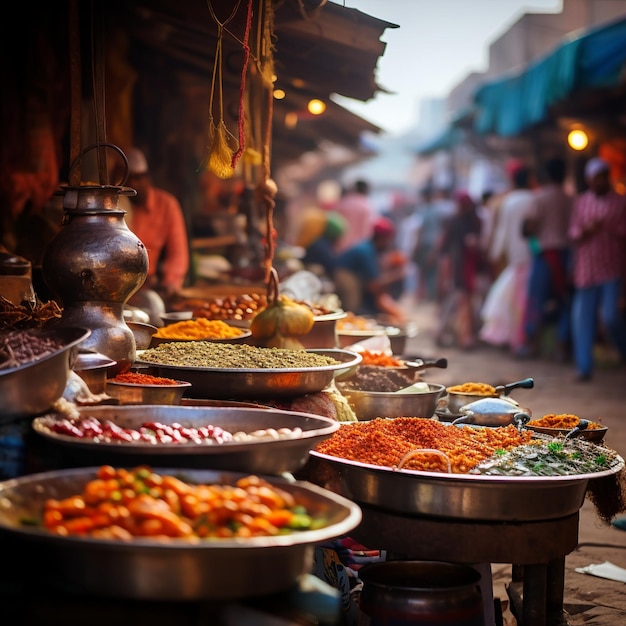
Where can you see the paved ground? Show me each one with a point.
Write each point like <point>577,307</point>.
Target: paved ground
<point>588,600</point>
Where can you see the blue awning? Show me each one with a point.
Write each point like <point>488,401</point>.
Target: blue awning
<point>592,59</point>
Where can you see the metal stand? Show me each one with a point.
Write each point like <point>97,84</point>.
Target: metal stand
<point>537,550</point>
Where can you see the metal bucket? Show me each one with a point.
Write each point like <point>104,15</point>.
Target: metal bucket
<point>428,593</point>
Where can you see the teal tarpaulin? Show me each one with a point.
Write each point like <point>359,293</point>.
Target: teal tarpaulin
<point>593,59</point>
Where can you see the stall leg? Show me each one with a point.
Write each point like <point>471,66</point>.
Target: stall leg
<point>534,595</point>
<point>555,591</point>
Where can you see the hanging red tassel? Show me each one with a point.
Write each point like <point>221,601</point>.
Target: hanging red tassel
<point>242,86</point>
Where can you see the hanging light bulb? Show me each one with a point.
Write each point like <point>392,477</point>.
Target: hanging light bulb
<point>577,139</point>
<point>316,107</point>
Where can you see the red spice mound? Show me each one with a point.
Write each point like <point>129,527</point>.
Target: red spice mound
<point>137,378</point>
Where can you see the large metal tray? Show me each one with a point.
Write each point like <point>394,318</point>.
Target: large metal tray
<point>32,388</point>
<point>455,496</point>
<point>240,383</point>
<point>262,457</point>
<point>174,570</point>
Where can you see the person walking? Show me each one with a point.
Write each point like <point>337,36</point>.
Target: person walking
<point>598,231</point>
<point>549,289</point>
<point>503,310</point>
<point>460,245</point>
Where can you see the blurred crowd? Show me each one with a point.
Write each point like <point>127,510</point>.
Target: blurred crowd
<point>535,270</point>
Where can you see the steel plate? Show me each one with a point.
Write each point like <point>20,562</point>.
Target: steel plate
<point>456,496</point>
<point>261,457</point>
<point>173,570</point>
<point>243,383</point>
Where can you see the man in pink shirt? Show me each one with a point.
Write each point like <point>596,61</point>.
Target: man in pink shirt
<point>598,231</point>
<point>357,210</point>
<point>156,217</point>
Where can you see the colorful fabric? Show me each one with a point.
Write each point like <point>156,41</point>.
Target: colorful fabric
<point>599,255</point>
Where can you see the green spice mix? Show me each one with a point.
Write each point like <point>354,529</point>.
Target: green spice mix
<point>232,356</point>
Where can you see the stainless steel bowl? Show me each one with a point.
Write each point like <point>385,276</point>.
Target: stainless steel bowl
<point>368,405</point>
<point>137,393</point>
<point>258,383</point>
<point>149,569</point>
<point>34,387</point>
<point>456,496</point>
<point>274,456</point>
<point>142,333</point>
<point>92,367</point>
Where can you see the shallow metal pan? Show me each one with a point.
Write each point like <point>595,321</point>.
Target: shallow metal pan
<point>263,457</point>
<point>240,383</point>
<point>457,496</point>
<point>175,570</point>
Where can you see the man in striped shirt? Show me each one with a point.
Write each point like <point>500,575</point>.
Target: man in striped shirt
<point>598,232</point>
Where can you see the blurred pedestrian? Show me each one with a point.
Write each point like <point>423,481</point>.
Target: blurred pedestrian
<point>319,232</point>
<point>363,283</point>
<point>427,240</point>
<point>503,310</point>
<point>357,209</point>
<point>598,231</point>
<point>549,292</point>
<point>460,245</point>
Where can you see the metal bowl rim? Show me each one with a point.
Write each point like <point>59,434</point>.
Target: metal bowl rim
<point>393,394</point>
<point>353,516</point>
<point>331,426</point>
<point>471,478</point>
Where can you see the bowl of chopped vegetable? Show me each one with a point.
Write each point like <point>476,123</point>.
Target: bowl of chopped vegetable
<point>163,554</point>
<point>140,388</point>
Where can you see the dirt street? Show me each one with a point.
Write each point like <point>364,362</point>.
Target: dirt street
<point>588,599</point>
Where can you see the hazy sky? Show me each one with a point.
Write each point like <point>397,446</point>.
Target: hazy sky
<point>437,44</point>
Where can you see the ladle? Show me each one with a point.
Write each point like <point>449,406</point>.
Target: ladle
<point>424,363</point>
<point>505,390</point>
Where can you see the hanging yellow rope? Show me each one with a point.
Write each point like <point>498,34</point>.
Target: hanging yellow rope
<point>222,143</point>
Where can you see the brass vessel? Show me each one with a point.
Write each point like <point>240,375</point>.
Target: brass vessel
<point>93,266</point>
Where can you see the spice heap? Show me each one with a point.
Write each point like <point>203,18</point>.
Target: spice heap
<point>380,358</point>
<point>137,378</point>
<point>386,442</point>
<point>375,378</point>
<point>564,421</point>
<point>200,328</point>
<point>476,389</point>
<point>232,356</point>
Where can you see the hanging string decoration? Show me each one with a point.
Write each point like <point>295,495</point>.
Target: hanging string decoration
<point>242,87</point>
<point>222,143</point>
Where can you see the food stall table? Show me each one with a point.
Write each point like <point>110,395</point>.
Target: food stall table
<point>539,547</point>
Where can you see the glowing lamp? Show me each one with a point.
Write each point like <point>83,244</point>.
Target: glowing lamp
<point>316,107</point>
<point>279,94</point>
<point>577,139</point>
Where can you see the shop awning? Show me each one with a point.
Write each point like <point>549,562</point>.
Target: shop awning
<point>592,59</point>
